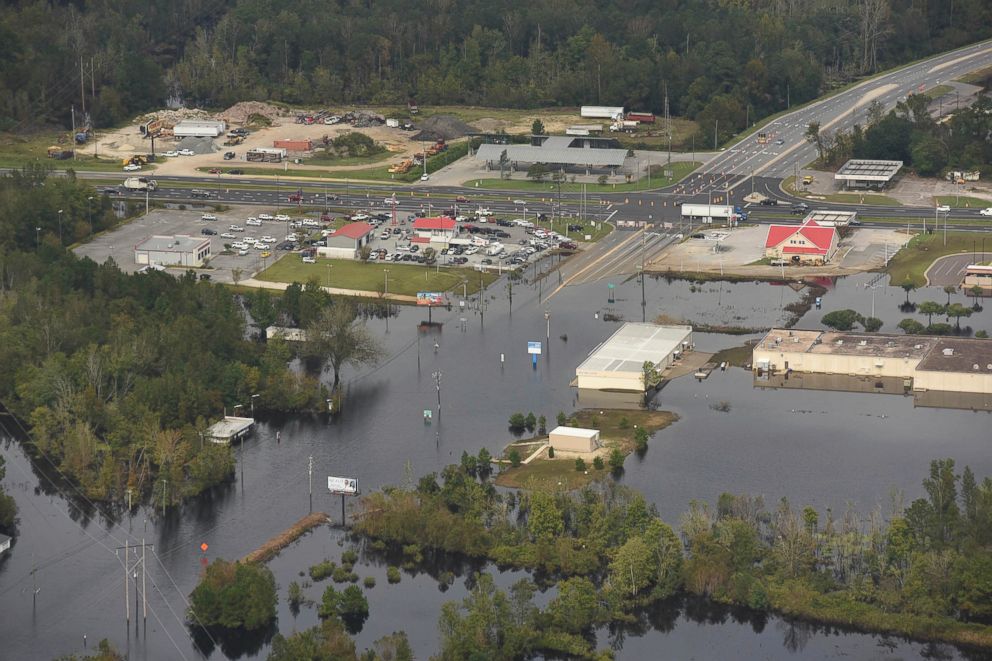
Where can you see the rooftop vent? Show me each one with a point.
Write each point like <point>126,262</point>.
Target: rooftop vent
<point>863,343</point>
<point>840,342</point>
<point>948,351</point>
<point>918,346</point>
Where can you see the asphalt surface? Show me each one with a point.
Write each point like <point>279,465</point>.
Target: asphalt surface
<point>949,270</point>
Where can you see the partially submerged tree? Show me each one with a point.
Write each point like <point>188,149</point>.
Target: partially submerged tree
<point>337,338</point>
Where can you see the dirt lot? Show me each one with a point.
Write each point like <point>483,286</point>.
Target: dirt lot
<point>735,252</point>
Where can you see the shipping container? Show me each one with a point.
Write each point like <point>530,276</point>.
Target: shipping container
<point>642,117</point>
<point>602,112</point>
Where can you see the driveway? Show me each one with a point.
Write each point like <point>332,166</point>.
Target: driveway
<point>949,270</point>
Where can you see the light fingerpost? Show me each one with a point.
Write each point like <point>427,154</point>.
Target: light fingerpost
<point>60,227</point>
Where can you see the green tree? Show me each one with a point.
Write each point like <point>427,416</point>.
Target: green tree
<point>542,425</point>
<point>949,289</point>
<point>580,464</point>
<point>957,311</point>
<point>530,422</point>
<point>616,459</point>
<point>813,137</point>
<point>544,520</point>
<point>365,253</point>
<point>234,595</point>
<point>872,324</point>
<point>911,327</point>
<point>641,439</point>
<point>8,508</point>
<point>430,256</point>
<point>630,569</point>
<point>537,172</point>
<point>561,418</point>
<point>337,337</point>
<point>908,287</point>
<point>577,607</point>
<point>842,320</point>
<point>537,128</point>
<point>514,457</point>
<point>930,308</point>
<point>518,421</point>
<point>327,642</point>
<point>485,626</point>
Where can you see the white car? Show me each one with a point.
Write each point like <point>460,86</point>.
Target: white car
<point>208,216</point>
<point>268,239</point>
<point>943,208</point>
<point>131,167</point>
<point>236,228</point>
<point>250,241</point>
<point>239,245</point>
<point>254,222</point>
<point>186,152</point>
<point>359,217</point>
<point>425,177</point>
<point>265,216</point>
<point>261,246</point>
<point>483,212</point>
<point>281,217</point>
<point>226,235</point>
<point>471,250</point>
<point>242,251</point>
<point>987,211</point>
<point>172,153</point>
<point>290,237</point>
<point>519,202</point>
<point>309,260</point>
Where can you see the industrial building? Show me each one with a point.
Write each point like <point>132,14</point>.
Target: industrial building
<point>618,363</point>
<point>345,242</point>
<point>857,173</point>
<point>178,250</point>
<point>923,362</point>
<point>809,243</point>
<point>199,128</point>
<point>564,152</point>
<point>437,230</point>
<point>573,439</point>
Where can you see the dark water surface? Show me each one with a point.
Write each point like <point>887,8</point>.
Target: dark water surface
<point>814,447</point>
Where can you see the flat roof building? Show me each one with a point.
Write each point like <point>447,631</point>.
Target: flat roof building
<point>932,363</point>
<point>199,128</point>
<point>857,173</point>
<point>977,275</point>
<point>231,428</point>
<point>178,250</point>
<point>618,363</point>
<point>573,439</point>
<point>831,218</point>
<point>560,151</point>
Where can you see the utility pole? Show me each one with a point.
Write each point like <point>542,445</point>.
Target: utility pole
<point>668,127</point>
<point>34,584</point>
<point>716,127</point>
<point>310,479</point>
<point>437,384</point>
<point>165,484</point>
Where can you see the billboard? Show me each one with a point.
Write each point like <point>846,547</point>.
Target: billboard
<point>342,485</point>
<point>430,298</point>
<point>534,348</point>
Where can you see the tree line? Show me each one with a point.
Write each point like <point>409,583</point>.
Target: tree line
<point>718,60</point>
<point>922,570</point>
<point>909,133</point>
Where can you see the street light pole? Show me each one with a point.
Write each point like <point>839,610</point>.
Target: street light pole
<point>60,227</point>
<point>89,211</point>
<point>253,406</point>
<point>37,239</point>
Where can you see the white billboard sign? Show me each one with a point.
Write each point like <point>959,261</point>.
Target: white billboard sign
<point>343,485</point>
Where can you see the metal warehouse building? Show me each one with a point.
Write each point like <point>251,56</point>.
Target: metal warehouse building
<point>179,250</point>
<point>867,174</point>
<point>200,128</point>
<point>618,363</point>
<point>559,151</point>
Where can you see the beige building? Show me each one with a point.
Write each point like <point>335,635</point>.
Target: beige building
<point>931,363</point>
<point>618,363</point>
<point>977,275</point>
<point>573,439</point>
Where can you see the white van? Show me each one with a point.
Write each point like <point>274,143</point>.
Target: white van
<point>254,222</point>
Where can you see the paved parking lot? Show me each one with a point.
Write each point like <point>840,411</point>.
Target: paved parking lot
<point>949,270</point>
<point>120,243</point>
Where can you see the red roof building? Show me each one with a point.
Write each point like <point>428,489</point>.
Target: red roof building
<point>809,243</point>
<point>353,230</point>
<point>440,229</point>
<point>345,242</point>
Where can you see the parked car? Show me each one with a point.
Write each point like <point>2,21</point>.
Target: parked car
<point>235,171</point>
<point>769,202</point>
<point>266,253</point>
<point>172,153</point>
<point>987,211</point>
<point>309,260</point>
<point>242,251</point>
<point>461,199</point>
<point>943,208</point>
<point>186,152</point>
<point>207,231</point>
<point>229,156</point>
<point>226,235</point>
<point>425,177</point>
<point>414,248</point>
<point>131,167</point>
<point>208,216</point>
<point>265,216</point>
<point>255,222</point>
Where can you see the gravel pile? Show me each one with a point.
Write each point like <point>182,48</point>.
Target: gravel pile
<point>447,127</point>
<point>240,112</point>
<point>198,145</point>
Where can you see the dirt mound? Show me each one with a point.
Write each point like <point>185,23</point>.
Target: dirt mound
<point>240,112</point>
<point>172,117</point>
<point>490,125</point>
<point>198,145</point>
<point>447,127</point>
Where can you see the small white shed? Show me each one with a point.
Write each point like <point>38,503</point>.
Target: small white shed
<point>4,543</point>
<point>574,439</point>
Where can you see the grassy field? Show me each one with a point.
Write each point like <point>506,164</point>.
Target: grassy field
<point>616,430</point>
<point>323,158</point>
<point>350,274</point>
<point>857,198</point>
<point>962,202</point>
<point>979,77</point>
<point>939,90</point>
<point>915,258</point>
<point>679,170</point>
<point>18,150</point>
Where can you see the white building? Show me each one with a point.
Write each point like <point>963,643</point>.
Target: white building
<point>200,128</point>
<point>858,173</point>
<point>573,439</point>
<point>618,363</point>
<point>178,250</point>
<point>4,543</point>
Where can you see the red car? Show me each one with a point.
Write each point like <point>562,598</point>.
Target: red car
<point>214,170</point>
<point>461,199</point>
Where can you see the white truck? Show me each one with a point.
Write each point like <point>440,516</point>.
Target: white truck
<point>140,183</point>
<point>494,249</point>
<point>393,123</point>
<point>708,212</point>
<point>626,126</point>
<point>602,112</point>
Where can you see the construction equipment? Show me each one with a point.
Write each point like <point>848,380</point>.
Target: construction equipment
<point>59,154</point>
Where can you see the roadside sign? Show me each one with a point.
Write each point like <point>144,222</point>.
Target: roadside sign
<point>534,348</point>
<point>342,485</point>
<point>430,298</point>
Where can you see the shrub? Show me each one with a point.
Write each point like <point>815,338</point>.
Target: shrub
<point>369,582</point>
<point>624,423</point>
<point>580,464</point>
<point>597,463</point>
<point>641,439</point>
<point>518,421</point>
<point>234,594</point>
<point>340,574</point>
<point>295,594</point>
<point>514,458</point>
<point>393,574</point>
<point>530,421</point>
<point>551,452</point>
<point>349,557</point>
<point>562,418</point>
<point>616,459</point>
<point>982,335</point>
<point>322,570</point>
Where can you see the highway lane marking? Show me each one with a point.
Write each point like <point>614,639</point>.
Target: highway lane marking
<point>575,275</point>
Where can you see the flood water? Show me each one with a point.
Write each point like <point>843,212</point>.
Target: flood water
<point>815,447</point>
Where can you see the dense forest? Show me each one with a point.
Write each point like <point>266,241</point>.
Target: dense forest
<point>922,570</point>
<point>119,374</point>
<point>718,59</point>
